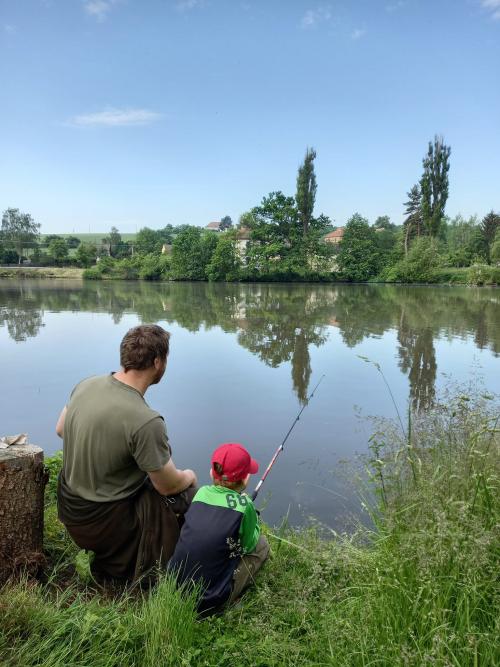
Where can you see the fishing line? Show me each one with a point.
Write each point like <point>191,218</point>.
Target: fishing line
<point>281,447</point>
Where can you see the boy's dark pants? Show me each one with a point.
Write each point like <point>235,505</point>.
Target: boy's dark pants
<point>248,567</point>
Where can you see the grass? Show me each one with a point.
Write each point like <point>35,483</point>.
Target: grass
<point>41,272</point>
<point>419,588</point>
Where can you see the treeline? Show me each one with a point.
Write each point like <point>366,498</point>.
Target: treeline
<point>282,240</point>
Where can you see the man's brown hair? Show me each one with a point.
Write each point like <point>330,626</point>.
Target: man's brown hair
<point>142,345</point>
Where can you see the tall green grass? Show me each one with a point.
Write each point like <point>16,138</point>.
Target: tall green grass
<point>419,588</point>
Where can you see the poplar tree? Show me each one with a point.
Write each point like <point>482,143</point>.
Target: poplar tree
<point>434,184</point>
<point>413,223</point>
<point>306,189</point>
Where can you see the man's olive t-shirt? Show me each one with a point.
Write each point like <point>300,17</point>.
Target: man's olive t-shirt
<point>111,439</point>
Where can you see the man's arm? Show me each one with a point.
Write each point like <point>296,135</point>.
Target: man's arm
<point>169,480</point>
<point>60,422</point>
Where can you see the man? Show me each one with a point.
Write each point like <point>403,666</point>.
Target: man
<point>117,465</point>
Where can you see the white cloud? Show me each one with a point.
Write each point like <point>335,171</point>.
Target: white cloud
<point>492,6</point>
<point>358,33</point>
<point>314,16</point>
<point>99,9</point>
<point>116,118</point>
<point>394,6</point>
<point>9,29</point>
<point>188,5</point>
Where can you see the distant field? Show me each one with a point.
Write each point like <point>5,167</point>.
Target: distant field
<point>94,237</point>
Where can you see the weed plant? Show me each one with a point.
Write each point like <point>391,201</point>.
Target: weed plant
<point>420,588</point>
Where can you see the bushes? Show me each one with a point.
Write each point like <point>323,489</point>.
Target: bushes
<point>225,263</point>
<point>154,267</point>
<point>110,269</point>
<point>483,274</point>
<point>419,265</point>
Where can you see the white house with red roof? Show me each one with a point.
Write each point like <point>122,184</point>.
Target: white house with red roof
<point>213,226</point>
<point>335,236</point>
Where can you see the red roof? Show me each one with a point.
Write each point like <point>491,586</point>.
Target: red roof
<point>213,225</point>
<point>337,234</point>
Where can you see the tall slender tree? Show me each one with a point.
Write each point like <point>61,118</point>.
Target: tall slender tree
<point>434,184</point>
<point>413,223</point>
<point>306,189</point>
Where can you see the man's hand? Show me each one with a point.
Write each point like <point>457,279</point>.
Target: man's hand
<point>169,480</point>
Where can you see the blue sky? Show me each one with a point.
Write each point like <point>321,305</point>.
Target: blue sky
<point>146,112</point>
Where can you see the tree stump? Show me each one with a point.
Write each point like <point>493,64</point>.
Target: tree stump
<point>22,483</point>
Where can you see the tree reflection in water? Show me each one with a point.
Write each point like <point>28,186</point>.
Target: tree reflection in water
<point>279,323</point>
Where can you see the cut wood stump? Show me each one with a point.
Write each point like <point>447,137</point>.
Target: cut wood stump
<point>22,483</point>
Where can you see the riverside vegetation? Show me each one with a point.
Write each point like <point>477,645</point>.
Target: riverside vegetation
<point>418,587</point>
<point>282,240</point>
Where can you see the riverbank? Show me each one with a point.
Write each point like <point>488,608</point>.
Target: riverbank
<point>477,275</point>
<point>419,588</point>
<point>41,272</point>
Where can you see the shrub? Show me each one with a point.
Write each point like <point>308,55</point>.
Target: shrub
<point>154,266</point>
<point>483,274</point>
<point>419,265</point>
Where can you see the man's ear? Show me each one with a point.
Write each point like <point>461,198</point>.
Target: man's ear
<point>211,473</point>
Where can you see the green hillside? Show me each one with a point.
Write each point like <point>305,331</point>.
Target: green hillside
<point>93,237</point>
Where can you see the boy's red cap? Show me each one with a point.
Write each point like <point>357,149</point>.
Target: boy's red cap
<point>235,461</point>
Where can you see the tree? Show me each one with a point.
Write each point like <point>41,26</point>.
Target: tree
<point>86,254</point>
<point>413,223</point>
<point>19,229</point>
<point>147,240</point>
<point>358,257</point>
<point>73,241</point>
<point>489,227</point>
<point>51,237</point>
<point>495,249</point>
<point>191,252</point>
<point>465,241</point>
<point>58,250</point>
<point>7,255</point>
<point>225,262</point>
<point>275,236</point>
<point>383,222</point>
<point>434,185</point>
<point>225,223</point>
<point>306,189</point>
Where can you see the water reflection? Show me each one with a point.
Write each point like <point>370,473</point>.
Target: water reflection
<point>280,323</point>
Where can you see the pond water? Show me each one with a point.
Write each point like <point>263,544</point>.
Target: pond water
<point>243,360</point>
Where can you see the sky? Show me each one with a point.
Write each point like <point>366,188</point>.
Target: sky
<point>134,113</point>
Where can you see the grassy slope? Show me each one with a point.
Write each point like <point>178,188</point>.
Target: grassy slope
<point>95,237</point>
<point>422,588</point>
<point>41,272</point>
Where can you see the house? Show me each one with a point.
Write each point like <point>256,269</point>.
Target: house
<point>166,249</point>
<point>213,226</point>
<point>242,239</point>
<point>336,236</point>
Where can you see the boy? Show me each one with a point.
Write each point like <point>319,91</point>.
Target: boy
<point>220,545</point>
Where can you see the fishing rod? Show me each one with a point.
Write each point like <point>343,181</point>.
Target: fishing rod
<point>282,446</point>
